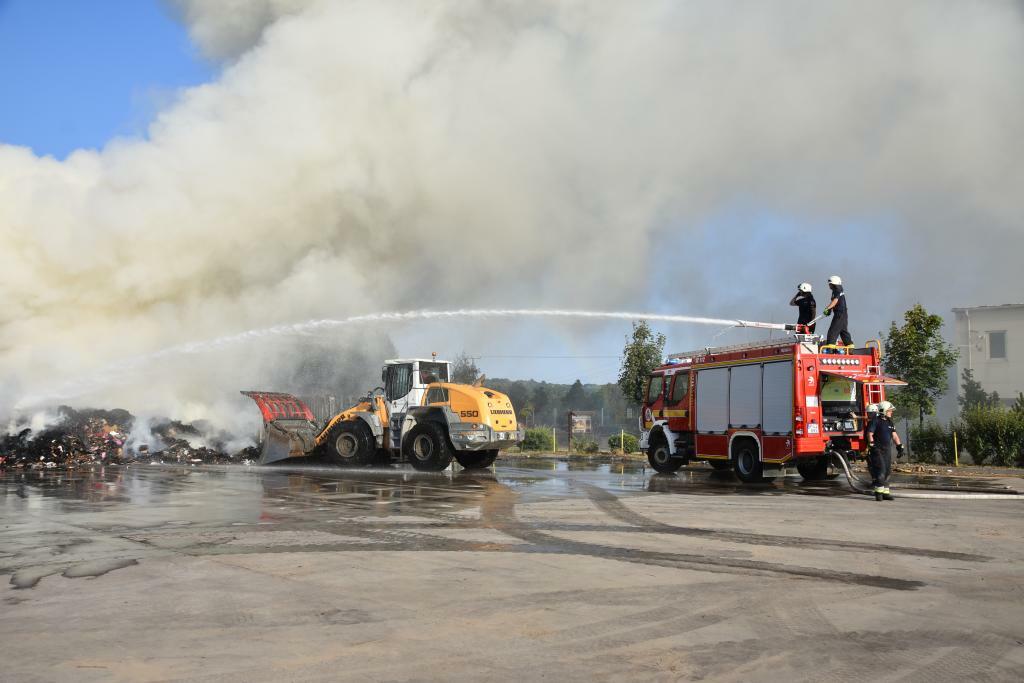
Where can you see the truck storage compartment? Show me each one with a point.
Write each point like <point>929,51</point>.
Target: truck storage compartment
<point>745,396</point>
<point>777,398</point>
<point>713,400</point>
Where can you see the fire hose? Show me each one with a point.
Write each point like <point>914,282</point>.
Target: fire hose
<point>860,486</point>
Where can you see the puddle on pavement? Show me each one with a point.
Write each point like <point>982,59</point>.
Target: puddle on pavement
<point>101,521</point>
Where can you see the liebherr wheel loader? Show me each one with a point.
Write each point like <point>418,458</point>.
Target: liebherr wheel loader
<point>417,416</point>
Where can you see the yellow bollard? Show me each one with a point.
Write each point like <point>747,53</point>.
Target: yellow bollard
<point>554,444</point>
<point>956,452</point>
<point>622,441</point>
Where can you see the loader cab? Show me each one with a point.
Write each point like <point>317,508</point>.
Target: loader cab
<point>405,381</point>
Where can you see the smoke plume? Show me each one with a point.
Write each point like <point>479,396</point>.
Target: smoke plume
<point>367,155</point>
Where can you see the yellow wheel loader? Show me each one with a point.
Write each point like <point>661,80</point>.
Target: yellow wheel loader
<point>417,416</point>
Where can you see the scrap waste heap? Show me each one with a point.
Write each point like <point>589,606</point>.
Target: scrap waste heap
<point>86,437</point>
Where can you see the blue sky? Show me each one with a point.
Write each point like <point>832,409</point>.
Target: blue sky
<point>76,73</point>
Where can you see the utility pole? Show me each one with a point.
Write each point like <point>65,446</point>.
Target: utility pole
<point>568,444</point>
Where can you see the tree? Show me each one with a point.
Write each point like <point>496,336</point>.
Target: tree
<point>640,355</point>
<point>541,403</point>
<point>917,354</point>
<point>464,369</point>
<point>575,397</point>
<point>974,395</point>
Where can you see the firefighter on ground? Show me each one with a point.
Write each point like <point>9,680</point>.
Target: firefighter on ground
<point>872,411</point>
<point>808,306</point>
<point>837,309</point>
<point>881,437</point>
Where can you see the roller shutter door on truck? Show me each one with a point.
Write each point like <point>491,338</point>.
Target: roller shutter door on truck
<point>777,398</point>
<point>713,400</point>
<point>745,396</point>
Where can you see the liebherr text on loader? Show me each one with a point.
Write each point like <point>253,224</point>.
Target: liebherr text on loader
<point>418,416</point>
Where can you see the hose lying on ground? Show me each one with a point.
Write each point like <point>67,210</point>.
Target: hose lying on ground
<point>860,486</point>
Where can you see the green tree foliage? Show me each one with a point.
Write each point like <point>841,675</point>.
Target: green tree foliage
<point>917,354</point>
<point>932,443</point>
<point>537,439</point>
<point>584,444</point>
<point>641,354</point>
<point>1018,405</point>
<point>994,435</point>
<point>974,395</point>
<point>541,403</point>
<point>464,369</point>
<point>632,444</point>
<point>576,397</point>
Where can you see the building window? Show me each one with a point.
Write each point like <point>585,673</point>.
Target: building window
<point>997,344</point>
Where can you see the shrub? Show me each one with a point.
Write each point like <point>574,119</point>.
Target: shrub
<point>584,444</point>
<point>994,435</point>
<point>632,443</point>
<point>932,443</point>
<point>537,439</point>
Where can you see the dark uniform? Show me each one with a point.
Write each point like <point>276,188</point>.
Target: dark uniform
<point>880,453</point>
<point>808,307</point>
<point>840,321</point>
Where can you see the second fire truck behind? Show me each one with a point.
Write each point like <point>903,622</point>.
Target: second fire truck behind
<point>758,408</point>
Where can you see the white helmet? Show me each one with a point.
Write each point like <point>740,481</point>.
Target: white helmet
<point>805,287</point>
<point>884,407</point>
<point>872,409</point>
<point>835,280</point>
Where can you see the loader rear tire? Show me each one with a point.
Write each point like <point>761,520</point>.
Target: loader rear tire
<point>476,460</point>
<point>426,447</point>
<point>350,444</point>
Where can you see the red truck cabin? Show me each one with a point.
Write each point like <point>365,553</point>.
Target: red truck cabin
<point>756,408</point>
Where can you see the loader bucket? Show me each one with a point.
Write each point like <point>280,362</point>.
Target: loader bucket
<point>289,428</point>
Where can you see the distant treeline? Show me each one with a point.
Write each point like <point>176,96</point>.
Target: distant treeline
<point>546,404</point>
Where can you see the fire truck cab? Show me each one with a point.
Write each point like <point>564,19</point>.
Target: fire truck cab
<point>758,408</point>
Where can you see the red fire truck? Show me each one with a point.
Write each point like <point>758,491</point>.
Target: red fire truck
<point>760,407</point>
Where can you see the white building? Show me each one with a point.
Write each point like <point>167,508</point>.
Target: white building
<point>991,343</point>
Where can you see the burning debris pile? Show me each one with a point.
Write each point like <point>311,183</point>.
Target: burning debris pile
<point>84,437</point>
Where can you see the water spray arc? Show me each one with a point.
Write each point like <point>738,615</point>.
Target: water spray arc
<point>104,376</point>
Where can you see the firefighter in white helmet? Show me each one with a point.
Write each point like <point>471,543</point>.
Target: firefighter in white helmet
<point>837,309</point>
<point>881,437</point>
<point>808,306</point>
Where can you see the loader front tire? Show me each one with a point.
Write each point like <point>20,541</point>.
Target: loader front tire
<point>426,447</point>
<point>350,444</point>
<point>476,460</point>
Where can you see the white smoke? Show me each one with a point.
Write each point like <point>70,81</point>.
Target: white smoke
<point>384,155</point>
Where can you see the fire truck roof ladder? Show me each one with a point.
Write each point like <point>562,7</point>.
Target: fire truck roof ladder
<point>729,349</point>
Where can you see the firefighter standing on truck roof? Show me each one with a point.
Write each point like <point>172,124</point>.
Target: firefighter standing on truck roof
<point>881,436</point>
<point>808,306</point>
<point>837,308</point>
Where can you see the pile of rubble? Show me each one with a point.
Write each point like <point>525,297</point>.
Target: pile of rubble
<point>85,437</point>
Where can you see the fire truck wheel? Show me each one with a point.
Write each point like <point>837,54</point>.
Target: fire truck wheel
<point>659,457</point>
<point>814,470</point>
<point>426,447</point>
<point>476,460</point>
<point>350,444</point>
<point>747,462</point>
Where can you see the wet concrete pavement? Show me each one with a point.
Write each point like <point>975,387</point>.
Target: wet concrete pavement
<point>537,569</point>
